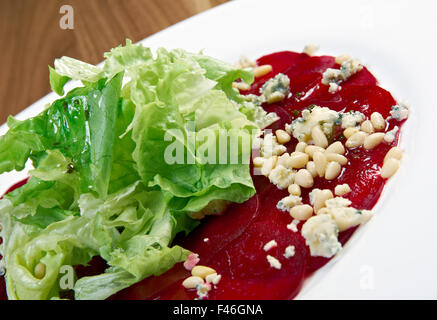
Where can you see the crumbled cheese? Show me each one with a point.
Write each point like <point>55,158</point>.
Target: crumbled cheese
<point>285,204</point>
<point>202,290</point>
<point>276,89</point>
<point>191,261</point>
<point>255,112</point>
<point>205,239</point>
<point>289,252</point>
<point>245,62</point>
<point>271,147</point>
<point>312,195</point>
<point>352,119</point>
<point>281,177</point>
<point>391,135</point>
<point>333,87</point>
<point>318,116</point>
<point>337,202</point>
<point>344,216</point>
<point>270,245</point>
<point>274,263</point>
<point>293,225</point>
<point>321,235</point>
<point>348,68</point>
<point>399,112</point>
<point>213,278</point>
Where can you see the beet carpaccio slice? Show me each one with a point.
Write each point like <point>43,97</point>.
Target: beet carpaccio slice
<point>236,239</point>
<point>233,243</point>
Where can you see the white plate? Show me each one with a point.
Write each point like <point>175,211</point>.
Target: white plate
<point>394,255</point>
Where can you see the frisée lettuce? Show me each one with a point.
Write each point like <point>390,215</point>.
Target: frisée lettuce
<point>106,181</point>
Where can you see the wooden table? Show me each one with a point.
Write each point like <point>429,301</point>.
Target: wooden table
<point>31,37</point>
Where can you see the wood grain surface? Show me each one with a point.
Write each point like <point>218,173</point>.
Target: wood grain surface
<point>31,37</point>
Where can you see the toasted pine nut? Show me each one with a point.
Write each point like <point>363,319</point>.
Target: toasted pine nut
<point>242,86</point>
<point>356,140</point>
<point>262,70</point>
<point>349,132</point>
<point>390,167</point>
<point>373,140</point>
<point>395,153</point>
<point>300,147</point>
<point>268,165</point>
<point>367,126</point>
<point>304,178</point>
<point>311,167</point>
<point>332,170</point>
<point>342,189</point>
<point>342,58</point>
<point>336,147</point>
<point>282,136</point>
<point>320,198</point>
<point>202,271</point>
<point>309,150</point>
<point>40,270</point>
<point>258,162</point>
<point>192,282</point>
<point>284,160</point>
<point>319,137</point>
<point>337,158</point>
<point>310,49</point>
<point>298,160</point>
<point>294,189</point>
<point>320,163</point>
<point>378,121</point>
<point>301,212</point>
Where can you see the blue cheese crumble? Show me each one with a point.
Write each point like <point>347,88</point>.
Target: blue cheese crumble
<point>318,116</point>
<point>285,204</point>
<point>399,112</point>
<point>270,146</point>
<point>336,76</point>
<point>289,252</point>
<point>352,119</point>
<point>281,177</point>
<point>321,235</point>
<point>276,89</point>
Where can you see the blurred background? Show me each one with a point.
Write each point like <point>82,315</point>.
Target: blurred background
<point>35,32</point>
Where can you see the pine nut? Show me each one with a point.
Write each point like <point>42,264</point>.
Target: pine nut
<point>268,165</point>
<point>319,137</point>
<point>367,126</point>
<point>320,162</point>
<point>284,160</point>
<point>336,147</point>
<point>395,153</point>
<point>304,178</point>
<point>356,140</point>
<point>320,198</point>
<point>390,167</point>
<point>337,158</point>
<point>282,136</point>
<point>378,121</point>
<point>342,58</point>
<point>311,167</point>
<point>309,150</point>
<point>192,282</point>
<point>349,132</point>
<point>298,160</point>
<point>373,140</point>
<point>262,70</point>
<point>202,271</point>
<point>40,270</point>
<point>300,147</point>
<point>342,189</point>
<point>258,162</point>
<point>242,86</point>
<point>332,170</point>
<point>301,212</point>
<point>294,189</point>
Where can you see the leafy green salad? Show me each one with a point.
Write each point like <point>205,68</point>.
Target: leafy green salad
<point>100,185</point>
